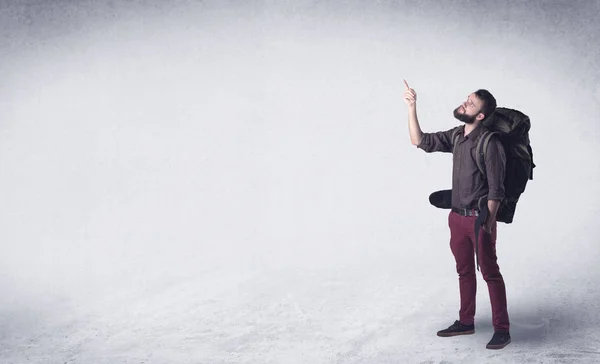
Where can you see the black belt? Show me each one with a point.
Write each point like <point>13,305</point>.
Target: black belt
<point>466,212</point>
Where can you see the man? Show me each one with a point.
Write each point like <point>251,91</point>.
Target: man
<point>472,196</point>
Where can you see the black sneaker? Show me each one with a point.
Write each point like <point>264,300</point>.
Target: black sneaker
<point>457,329</point>
<point>499,340</point>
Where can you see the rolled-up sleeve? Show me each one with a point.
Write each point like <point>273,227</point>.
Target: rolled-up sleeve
<point>495,164</point>
<point>440,141</point>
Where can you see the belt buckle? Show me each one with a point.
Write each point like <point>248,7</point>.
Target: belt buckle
<point>463,211</point>
<point>468,211</point>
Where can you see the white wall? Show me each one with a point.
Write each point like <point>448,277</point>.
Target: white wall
<point>143,142</point>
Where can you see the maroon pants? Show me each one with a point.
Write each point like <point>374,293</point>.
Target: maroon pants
<point>462,244</point>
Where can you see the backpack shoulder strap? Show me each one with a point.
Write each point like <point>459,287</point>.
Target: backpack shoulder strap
<point>482,145</point>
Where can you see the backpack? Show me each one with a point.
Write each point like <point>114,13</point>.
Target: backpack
<point>511,127</point>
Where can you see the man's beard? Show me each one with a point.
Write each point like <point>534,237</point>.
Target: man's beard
<point>463,117</point>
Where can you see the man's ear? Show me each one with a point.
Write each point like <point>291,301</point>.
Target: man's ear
<point>480,116</point>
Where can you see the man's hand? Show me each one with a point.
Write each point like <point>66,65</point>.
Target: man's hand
<point>487,226</point>
<point>410,96</point>
<point>493,206</point>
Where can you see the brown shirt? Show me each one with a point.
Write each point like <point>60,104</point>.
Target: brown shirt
<point>468,184</point>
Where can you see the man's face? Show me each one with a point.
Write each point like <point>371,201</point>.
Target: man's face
<point>470,110</point>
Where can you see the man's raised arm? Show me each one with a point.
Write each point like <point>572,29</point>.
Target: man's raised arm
<point>410,98</point>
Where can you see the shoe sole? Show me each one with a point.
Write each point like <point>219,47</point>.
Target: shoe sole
<point>496,347</point>
<point>450,334</point>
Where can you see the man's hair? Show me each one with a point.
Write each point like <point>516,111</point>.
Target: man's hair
<point>489,102</point>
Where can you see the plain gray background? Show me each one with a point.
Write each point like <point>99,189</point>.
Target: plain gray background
<point>231,182</point>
